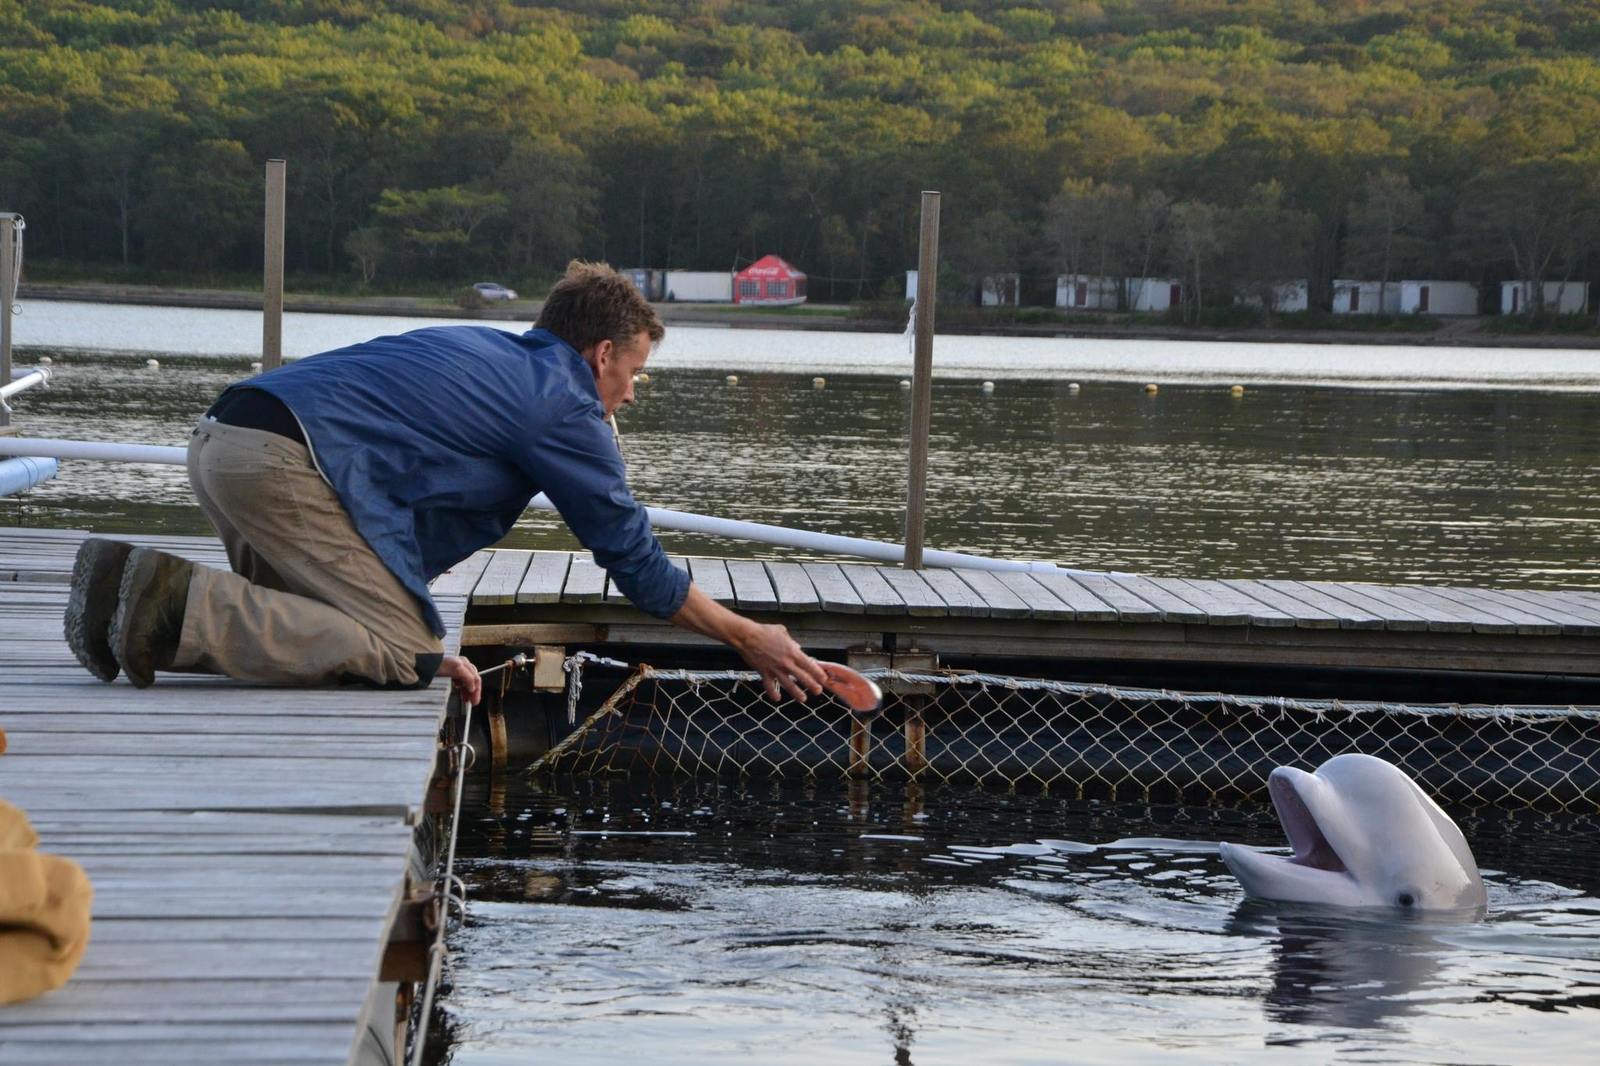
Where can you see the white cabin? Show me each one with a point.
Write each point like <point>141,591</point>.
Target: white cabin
<point>1154,294</point>
<point>1438,298</point>
<point>1086,292</point>
<point>1352,297</point>
<point>1560,297</point>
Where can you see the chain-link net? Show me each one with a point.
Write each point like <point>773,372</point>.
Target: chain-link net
<point>1086,740</point>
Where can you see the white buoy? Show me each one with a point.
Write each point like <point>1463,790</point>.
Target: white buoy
<point>1237,390</point>
<point>732,379</point>
<point>45,360</point>
<point>151,364</point>
<point>1152,388</point>
<point>819,383</point>
<point>904,384</point>
<point>988,386</point>
<point>1073,387</point>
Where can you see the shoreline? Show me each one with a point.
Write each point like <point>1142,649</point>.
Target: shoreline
<point>1454,333</point>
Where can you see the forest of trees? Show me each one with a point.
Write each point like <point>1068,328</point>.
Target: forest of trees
<point>1229,142</point>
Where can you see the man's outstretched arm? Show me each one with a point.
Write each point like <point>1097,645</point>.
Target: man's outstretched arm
<point>769,649</point>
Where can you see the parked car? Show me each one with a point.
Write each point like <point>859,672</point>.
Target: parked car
<point>490,290</point>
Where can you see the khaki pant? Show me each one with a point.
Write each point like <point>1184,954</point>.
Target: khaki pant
<point>309,603</point>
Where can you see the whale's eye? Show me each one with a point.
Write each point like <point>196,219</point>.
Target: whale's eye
<point>1406,899</point>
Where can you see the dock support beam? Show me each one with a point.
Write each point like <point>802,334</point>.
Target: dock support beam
<point>272,271</point>
<point>922,379</point>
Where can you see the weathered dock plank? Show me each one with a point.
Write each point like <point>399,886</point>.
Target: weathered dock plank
<point>834,589</point>
<point>914,591</point>
<point>793,587</point>
<point>752,588</point>
<point>586,581</point>
<point>546,576</point>
<point>501,579</point>
<point>959,598</point>
<point>877,595</point>
<point>1001,601</point>
<point>248,846</point>
<point>712,577</point>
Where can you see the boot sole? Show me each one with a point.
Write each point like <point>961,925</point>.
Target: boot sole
<point>137,574</point>
<point>88,619</point>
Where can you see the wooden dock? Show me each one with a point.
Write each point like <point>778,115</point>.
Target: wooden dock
<point>249,847</point>
<point>561,598</point>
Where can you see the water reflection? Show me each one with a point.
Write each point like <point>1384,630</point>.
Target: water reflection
<point>1344,969</point>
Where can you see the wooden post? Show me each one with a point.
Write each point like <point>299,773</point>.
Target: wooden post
<point>916,730</point>
<point>494,706</point>
<point>860,746</point>
<point>922,379</point>
<point>8,253</point>
<point>272,278</point>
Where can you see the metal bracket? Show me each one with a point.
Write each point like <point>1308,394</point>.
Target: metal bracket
<point>912,661</point>
<point>549,673</point>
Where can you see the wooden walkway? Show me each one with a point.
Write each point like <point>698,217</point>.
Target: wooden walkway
<point>564,598</point>
<point>248,846</point>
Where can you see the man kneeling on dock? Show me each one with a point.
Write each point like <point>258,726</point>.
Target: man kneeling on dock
<point>341,484</point>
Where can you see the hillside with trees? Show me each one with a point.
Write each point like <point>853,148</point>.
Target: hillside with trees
<point>1228,142</point>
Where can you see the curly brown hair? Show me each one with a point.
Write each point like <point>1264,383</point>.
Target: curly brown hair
<point>592,303</point>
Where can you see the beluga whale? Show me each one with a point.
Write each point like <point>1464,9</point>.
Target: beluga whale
<point>1363,835</point>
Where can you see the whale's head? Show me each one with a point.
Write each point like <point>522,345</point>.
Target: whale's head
<point>1363,835</point>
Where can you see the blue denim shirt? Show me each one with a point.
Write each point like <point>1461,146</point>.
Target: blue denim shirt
<point>436,440</point>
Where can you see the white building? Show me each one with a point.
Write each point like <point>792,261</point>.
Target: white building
<point>1438,298</point>
<point>706,286</point>
<point>1286,296</point>
<point>1086,292</point>
<point>1351,297</point>
<point>1154,294</point>
<point>1560,297</point>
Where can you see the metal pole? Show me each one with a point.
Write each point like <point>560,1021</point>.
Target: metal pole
<point>922,379</point>
<point>8,252</point>
<point>272,279</point>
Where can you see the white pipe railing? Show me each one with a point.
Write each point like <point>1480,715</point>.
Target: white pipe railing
<point>86,449</point>
<point>785,537</point>
<point>660,518</point>
<point>24,380</point>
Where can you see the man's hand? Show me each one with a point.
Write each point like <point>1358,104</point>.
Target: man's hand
<point>769,649</point>
<point>464,676</point>
<point>783,665</point>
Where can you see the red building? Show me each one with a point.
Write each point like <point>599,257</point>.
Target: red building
<point>771,281</point>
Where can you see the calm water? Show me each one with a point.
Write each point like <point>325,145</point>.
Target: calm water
<point>795,925</point>
<point>1468,486</point>
<point>694,922</point>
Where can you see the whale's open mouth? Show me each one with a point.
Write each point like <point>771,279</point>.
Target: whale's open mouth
<point>1310,844</point>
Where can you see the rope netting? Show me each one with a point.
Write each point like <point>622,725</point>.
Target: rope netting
<point>1082,740</point>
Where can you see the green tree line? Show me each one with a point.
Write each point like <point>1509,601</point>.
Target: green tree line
<point>1232,143</point>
